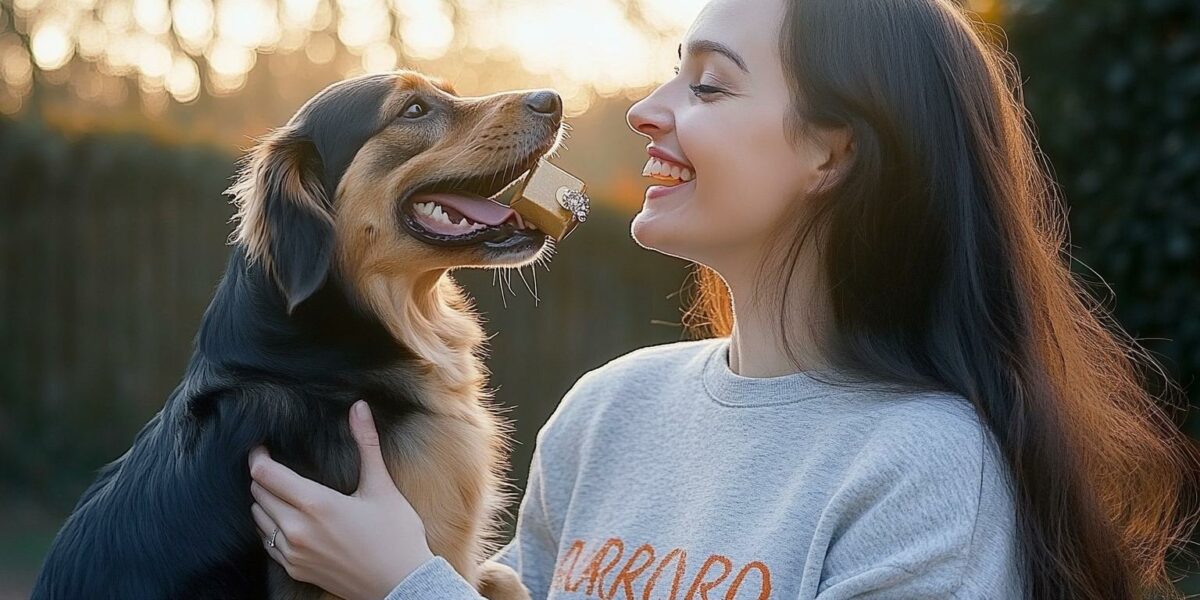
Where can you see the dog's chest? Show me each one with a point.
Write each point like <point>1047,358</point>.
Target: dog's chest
<point>447,465</point>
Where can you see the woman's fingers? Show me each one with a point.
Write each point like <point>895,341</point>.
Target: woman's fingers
<point>280,513</point>
<point>278,551</point>
<point>277,555</point>
<point>284,483</point>
<point>266,529</point>
<point>373,474</point>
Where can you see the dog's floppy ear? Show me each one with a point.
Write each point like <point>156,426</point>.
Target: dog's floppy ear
<point>283,215</point>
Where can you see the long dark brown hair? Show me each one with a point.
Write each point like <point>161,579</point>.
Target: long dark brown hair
<point>946,255</point>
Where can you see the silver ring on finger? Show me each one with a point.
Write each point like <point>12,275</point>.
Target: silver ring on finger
<point>271,542</point>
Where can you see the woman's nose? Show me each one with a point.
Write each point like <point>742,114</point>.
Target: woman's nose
<point>649,116</point>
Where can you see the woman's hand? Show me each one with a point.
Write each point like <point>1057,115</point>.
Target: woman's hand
<point>359,546</point>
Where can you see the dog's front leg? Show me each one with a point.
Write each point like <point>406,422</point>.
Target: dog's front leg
<point>499,582</point>
<point>444,467</point>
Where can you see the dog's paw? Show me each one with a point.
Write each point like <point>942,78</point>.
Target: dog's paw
<point>500,582</point>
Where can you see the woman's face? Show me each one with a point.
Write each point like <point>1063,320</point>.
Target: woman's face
<point>724,168</point>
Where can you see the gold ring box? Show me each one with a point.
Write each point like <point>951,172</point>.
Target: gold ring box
<point>552,199</point>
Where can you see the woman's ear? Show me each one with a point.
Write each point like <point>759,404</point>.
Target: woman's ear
<point>837,145</point>
<point>283,215</point>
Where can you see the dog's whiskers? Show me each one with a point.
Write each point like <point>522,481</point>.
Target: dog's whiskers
<point>508,280</point>
<point>495,276</point>
<point>531,291</point>
<point>533,273</point>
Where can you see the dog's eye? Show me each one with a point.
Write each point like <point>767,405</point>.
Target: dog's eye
<point>416,109</point>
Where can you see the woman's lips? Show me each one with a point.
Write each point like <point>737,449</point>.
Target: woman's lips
<point>657,191</point>
<point>659,153</point>
<point>666,171</point>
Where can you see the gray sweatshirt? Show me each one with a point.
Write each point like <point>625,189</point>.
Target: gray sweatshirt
<point>663,474</point>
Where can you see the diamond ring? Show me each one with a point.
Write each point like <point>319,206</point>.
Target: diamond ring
<point>576,202</point>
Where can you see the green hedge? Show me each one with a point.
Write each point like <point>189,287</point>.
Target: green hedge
<point>1114,86</point>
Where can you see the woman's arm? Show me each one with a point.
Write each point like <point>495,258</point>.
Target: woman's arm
<point>371,544</point>
<point>925,511</point>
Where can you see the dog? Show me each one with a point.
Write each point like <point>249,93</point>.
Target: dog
<point>348,221</point>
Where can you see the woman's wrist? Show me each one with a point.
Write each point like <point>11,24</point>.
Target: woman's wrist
<point>410,561</point>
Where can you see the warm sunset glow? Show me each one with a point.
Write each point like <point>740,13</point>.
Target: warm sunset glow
<point>181,48</point>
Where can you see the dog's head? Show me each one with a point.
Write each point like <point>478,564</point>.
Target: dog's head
<point>392,174</point>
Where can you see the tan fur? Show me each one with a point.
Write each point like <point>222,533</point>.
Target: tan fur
<point>448,463</point>
<point>249,193</point>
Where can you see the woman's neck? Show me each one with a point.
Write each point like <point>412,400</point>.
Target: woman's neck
<point>757,347</point>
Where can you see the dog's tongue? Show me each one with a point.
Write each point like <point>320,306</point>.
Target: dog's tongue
<point>474,207</point>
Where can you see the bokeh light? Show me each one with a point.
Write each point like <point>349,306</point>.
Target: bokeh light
<point>588,49</point>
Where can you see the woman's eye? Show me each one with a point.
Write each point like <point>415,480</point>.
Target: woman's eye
<point>701,90</point>
<point>414,110</point>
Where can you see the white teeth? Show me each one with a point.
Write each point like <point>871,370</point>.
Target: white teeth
<point>664,170</point>
<point>434,211</point>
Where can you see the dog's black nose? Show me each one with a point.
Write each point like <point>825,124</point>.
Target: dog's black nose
<point>544,102</point>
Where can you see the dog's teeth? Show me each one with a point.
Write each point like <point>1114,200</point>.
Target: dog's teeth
<point>441,216</point>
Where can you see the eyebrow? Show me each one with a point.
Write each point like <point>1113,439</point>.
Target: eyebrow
<point>702,46</point>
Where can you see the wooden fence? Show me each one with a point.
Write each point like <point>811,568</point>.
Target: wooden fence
<point>111,246</point>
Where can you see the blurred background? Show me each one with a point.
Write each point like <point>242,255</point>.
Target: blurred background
<point>120,121</point>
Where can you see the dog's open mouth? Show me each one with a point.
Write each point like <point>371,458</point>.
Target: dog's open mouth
<point>462,212</point>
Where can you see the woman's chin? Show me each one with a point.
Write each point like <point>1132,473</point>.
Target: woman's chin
<point>667,222</point>
<point>662,233</point>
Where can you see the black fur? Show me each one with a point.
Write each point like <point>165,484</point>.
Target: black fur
<point>279,359</point>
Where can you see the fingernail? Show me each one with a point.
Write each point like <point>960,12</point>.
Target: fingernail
<point>361,410</point>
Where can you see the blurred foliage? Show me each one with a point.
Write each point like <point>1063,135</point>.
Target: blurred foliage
<point>1114,87</point>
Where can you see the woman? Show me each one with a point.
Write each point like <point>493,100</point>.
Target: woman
<point>908,395</point>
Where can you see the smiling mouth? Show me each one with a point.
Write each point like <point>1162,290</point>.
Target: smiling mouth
<point>464,211</point>
<point>667,172</point>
